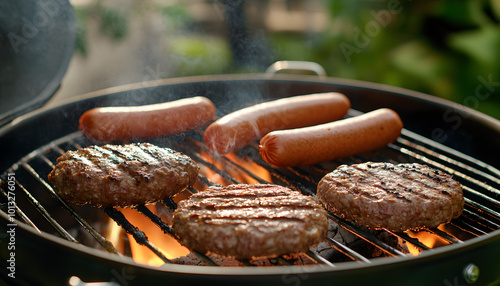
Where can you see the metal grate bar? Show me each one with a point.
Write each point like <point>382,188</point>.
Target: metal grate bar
<point>366,236</point>
<point>458,224</point>
<point>292,183</point>
<point>195,143</point>
<point>451,239</point>
<point>204,258</point>
<point>304,176</point>
<point>455,172</point>
<point>99,238</point>
<point>19,212</point>
<point>170,203</point>
<point>448,159</point>
<point>317,258</point>
<point>346,250</point>
<point>479,221</point>
<point>480,206</point>
<point>248,173</point>
<point>46,214</point>
<point>212,167</point>
<point>139,236</point>
<point>445,149</point>
<point>207,182</point>
<point>410,239</point>
<point>168,230</point>
<point>465,226</point>
<point>155,219</point>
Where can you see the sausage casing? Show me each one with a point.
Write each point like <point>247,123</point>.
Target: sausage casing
<point>325,142</point>
<point>124,123</point>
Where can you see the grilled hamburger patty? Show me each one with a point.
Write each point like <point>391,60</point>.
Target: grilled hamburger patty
<point>396,197</point>
<point>245,221</point>
<point>122,175</point>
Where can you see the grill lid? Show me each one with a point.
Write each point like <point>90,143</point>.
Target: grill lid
<point>37,40</point>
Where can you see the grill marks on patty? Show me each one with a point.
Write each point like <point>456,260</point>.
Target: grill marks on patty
<point>378,178</point>
<point>257,202</point>
<point>111,161</point>
<point>397,197</point>
<point>244,221</point>
<point>122,175</point>
<point>404,175</point>
<point>122,160</point>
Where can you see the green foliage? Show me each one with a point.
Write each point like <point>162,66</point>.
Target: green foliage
<point>113,23</point>
<point>81,31</point>
<point>200,55</point>
<point>177,18</point>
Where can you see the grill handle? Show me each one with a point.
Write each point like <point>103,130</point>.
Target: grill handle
<point>75,281</point>
<point>296,67</point>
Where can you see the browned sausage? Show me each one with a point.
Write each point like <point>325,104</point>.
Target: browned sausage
<point>124,123</point>
<point>325,142</point>
<point>241,127</point>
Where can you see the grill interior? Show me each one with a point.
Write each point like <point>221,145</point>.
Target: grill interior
<point>38,206</point>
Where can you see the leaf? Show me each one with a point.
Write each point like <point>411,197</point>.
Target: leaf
<point>419,60</point>
<point>481,45</point>
<point>495,7</point>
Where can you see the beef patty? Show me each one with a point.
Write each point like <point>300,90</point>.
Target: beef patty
<point>122,175</point>
<point>245,221</point>
<point>395,197</point>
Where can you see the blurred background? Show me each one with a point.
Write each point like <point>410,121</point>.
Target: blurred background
<point>448,48</point>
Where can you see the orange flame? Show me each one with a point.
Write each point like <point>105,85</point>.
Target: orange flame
<point>428,239</point>
<point>164,242</point>
<point>241,169</point>
<point>114,234</point>
<point>208,171</point>
<point>252,167</point>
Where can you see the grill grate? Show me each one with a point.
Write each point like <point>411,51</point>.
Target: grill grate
<point>481,184</point>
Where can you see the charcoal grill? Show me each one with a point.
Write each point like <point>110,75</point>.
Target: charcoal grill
<point>439,133</point>
<point>46,241</point>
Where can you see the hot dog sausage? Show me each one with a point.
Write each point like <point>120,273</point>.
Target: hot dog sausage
<point>241,127</point>
<point>325,142</point>
<point>124,123</point>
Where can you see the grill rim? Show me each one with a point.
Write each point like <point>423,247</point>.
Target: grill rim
<point>282,270</point>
